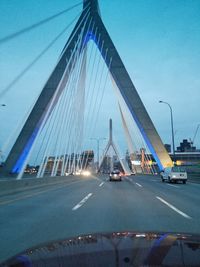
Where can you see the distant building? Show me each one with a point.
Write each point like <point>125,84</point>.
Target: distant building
<point>187,158</point>
<point>77,160</point>
<point>168,147</point>
<point>105,166</point>
<point>109,163</point>
<point>186,146</point>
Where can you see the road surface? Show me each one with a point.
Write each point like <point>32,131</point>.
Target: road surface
<point>88,205</point>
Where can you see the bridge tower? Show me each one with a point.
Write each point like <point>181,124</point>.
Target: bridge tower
<point>111,144</point>
<point>95,31</point>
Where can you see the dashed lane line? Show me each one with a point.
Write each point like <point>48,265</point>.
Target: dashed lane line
<point>174,208</point>
<point>138,184</point>
<point>101,184</point>
<point>128,179</point>
<point>82,202</point>
<point>131,181</point>
<point>173,185</point>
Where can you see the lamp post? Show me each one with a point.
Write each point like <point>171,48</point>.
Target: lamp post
<point>172,127</point>
<point>98,141</point>
<point>195,133</point>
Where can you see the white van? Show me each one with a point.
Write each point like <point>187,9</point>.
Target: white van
<point>174,174</point>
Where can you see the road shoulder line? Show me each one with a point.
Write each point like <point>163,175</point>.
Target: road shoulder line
<point>174,208</point>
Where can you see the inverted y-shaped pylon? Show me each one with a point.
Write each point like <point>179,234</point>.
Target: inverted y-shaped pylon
<point>90,27</point>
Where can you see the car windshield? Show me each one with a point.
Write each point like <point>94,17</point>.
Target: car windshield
<point>98,100</point>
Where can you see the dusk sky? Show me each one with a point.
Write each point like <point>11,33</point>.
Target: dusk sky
<point>158,41</point>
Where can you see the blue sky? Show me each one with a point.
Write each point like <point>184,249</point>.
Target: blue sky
<point>158,41</point>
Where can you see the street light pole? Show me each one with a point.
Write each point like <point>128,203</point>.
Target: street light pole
<point>172,127</point>
<point>98,140</point>
<point>195,133</point>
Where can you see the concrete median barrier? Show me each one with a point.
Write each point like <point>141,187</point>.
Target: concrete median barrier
<point>10,186</point>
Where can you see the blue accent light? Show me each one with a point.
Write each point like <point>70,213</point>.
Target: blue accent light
<point>158,241</point>
<point>91,36</point>
<point>20,162</point>
<point>157,244</point>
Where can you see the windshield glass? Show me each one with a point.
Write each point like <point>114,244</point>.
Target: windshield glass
<point>98,100</point>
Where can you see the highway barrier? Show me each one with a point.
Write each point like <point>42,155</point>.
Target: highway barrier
<point>10,186</point>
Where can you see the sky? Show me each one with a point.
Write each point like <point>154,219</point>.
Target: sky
<point>158,41</point>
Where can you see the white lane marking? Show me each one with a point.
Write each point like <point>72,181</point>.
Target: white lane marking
<point>82,202</point>
<point>139,185</point>
<point>173,185</point>
<point>101,184</point>
<point>154,180</point>
<point>127,178</point>
<point>174,208</point>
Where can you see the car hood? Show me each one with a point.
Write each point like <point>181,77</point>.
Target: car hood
<point>114,249</point>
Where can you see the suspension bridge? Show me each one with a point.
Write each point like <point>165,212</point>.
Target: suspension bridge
<point>67,110</point>
<point>89,98</point>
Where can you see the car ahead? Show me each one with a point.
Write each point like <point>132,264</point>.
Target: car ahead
<point>174,174</point>
<point>115,176</point>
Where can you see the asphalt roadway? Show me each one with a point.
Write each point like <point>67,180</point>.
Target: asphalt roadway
<point>93,204</point>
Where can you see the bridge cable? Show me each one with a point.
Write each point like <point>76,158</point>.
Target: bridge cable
<point>82,155</point>
<point>70,114</point>
<point>66,67</point>
<point>56,92</point>
<point>69,138</point>
<point>81,106</point>
<point>41,127</point>
<point>78,113</point>
<point>75,89</point>
<point>35,60</point>
<point>91,88</point>
<point>94,108</point>
<point>37,24</point>
<point>89,82</point>
<point>45,159</point>
<point>42,53</point>
<point>69,143</point>
<point>102,93</point>
<point>69,62</point>
<point>138,139</point>
<point>62,128</point>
